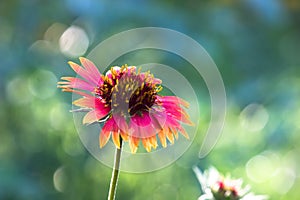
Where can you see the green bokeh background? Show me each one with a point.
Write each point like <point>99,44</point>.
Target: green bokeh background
<point>254,43</point>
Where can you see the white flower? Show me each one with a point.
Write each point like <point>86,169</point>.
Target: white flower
<point>215,186</point>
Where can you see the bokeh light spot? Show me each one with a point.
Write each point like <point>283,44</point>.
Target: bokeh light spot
<point>260,168</point>
<point>54,32</point>
<point>17,91</point>
<point>58,116</point>
<point>254,117</point>
<point>42,84</point>
<point>60,179</point>
<point>292,160</point>
<point>41,46</point>
<point>74,42</point>
<point>283,180</point>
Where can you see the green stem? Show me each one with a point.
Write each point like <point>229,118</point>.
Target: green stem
<point>115,173</point>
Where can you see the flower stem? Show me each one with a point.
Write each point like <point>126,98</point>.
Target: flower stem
<point>115,173</point>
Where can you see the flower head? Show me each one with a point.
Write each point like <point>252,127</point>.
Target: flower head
<point>128,103</point>
<point>217,187</point>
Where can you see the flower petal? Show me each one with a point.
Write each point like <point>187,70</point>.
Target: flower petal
<point>116,138</point>
<point>95,103</point>
<point>177,112</point>
<point>142,126</point>
<point>75,91</point>
<point>90,117</point>
<point>124,136</point>
<point>173,99</point>
<point>158,118</point>
<point>133,144</point>
<point>77,83</point>
<point>83,73</point>
<point>162,137</point>
<point>146,144</point>
<point>153,141</point>
<point>121,123</point>
<point>183,132</point>
<point>169,135</point>
<point>122,126</point>
<point>92,70</point>
<point>105,132</point>
<point>175,133</point>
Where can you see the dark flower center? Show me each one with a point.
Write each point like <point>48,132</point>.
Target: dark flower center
<point>128,93</point>
<point>104,91</point>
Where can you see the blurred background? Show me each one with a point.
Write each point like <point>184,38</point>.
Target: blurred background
<point>254,43</point>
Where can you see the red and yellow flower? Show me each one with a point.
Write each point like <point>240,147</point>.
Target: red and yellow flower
<point>128,103</point>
